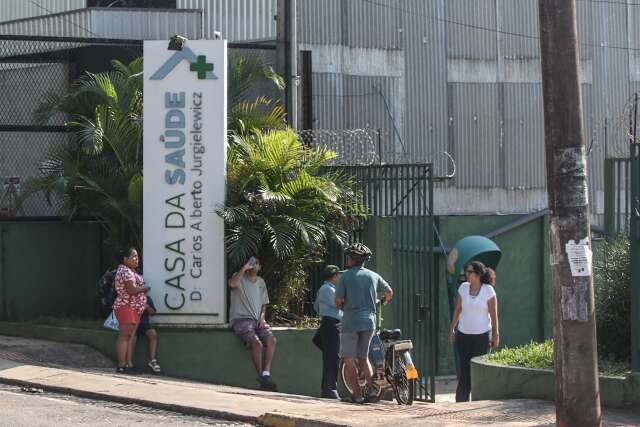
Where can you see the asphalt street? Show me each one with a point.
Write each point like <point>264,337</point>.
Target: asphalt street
<point>20,408</point>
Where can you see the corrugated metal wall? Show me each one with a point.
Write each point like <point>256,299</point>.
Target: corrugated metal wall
<point>471,86</point>
<point>20,9</point>
<point>117,23</point>
<point>147,24</point>
<point>237,20</point>
<point>440,75</point>
<point>72,24</point>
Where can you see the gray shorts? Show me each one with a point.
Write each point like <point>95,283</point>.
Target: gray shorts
<point>248,330</point>
<point>355,344</point>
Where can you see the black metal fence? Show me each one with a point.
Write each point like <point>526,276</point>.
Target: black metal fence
<point>400,198</point>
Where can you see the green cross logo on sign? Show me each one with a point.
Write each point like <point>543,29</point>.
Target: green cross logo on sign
<point>201,67</point>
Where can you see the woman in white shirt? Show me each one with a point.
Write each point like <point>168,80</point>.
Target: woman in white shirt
<point>476,318</point>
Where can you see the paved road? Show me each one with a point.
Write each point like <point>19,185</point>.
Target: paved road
<point>22,409</point>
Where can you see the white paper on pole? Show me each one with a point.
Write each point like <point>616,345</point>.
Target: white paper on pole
<point>185,111</point>
<point>580,257</point>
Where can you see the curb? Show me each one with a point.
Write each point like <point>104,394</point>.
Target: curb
<point>272,419</point>
<point>187,410</point>
<point>269,419</point>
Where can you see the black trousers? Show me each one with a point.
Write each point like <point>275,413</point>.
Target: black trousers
<point>328,340</point>
<point>469,346</point>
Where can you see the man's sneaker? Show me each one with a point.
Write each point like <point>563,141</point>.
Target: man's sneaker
<point>266,383</point>
<point>155,366</point>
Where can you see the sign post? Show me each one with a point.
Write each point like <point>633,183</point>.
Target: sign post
<point>185,116</point>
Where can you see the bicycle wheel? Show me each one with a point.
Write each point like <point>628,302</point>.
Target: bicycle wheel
<point>403,388</point>
<point>374,396</point>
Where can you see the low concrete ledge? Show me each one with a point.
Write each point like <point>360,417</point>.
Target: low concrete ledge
<point>490,381</point>
<point>211,355</point>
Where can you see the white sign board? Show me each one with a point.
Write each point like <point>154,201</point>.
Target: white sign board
<point>185,116</point>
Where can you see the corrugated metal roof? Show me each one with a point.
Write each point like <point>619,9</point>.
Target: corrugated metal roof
<point>20,9</point>
<point>116,23</point>
<point>237,20</point>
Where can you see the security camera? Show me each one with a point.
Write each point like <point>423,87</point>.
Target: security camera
<point>217,35</point>
<point>176,42</point>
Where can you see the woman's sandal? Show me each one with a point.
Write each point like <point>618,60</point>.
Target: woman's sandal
<point>155,366</point>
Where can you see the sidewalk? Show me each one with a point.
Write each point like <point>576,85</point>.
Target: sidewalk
<point>269,409</point>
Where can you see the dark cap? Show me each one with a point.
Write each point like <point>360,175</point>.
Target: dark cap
<point>330,271</point>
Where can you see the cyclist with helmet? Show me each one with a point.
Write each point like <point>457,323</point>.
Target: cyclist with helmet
<point>356,294</point>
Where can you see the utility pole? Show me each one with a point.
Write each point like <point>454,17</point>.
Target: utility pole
<point>287,56</point>
<point>634,235</point>
<point>577,389</point>
<point>294,83</point>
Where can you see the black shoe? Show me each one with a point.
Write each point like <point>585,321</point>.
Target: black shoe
<point>333,395</point>
<point>266,383</point>
<point>352,399</point>
<point>126,370</point>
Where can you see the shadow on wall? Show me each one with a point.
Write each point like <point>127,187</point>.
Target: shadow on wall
<point>49,269</point>
<point>211,355</point>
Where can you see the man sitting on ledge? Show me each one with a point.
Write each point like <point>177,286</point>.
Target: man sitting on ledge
<point>249,299</point>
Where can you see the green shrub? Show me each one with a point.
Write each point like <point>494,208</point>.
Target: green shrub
<point>533,355</point>
<point>540,356</point>
<point>612,286</point>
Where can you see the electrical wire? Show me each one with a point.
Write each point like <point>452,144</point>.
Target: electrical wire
<point>495,30</point>
<point>61,17</point>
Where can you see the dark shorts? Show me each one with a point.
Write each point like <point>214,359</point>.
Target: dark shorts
<point>143,328</point>
<point>248,330</point>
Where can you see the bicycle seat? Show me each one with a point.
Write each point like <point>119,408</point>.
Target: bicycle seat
<point>387,334</point>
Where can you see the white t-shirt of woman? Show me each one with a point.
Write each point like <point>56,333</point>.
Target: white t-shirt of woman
<point>474,318</point>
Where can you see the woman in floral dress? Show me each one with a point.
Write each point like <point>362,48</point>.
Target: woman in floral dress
<point>129,304</point>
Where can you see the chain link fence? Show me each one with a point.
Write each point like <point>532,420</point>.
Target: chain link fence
<point>32,70</point>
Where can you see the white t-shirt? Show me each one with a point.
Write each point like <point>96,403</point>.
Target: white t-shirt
<point>474,318</point>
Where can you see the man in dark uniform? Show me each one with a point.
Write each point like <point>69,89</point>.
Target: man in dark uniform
<point>328,336</point>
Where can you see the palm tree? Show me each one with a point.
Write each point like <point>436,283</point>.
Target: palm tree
<point>99,173</point>
<point>247,114</point>
<point>284,205</point>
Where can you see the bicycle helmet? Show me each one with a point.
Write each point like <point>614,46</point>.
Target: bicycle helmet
<point>359,251</point>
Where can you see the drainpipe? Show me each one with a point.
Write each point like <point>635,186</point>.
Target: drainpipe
<point>293,45</point>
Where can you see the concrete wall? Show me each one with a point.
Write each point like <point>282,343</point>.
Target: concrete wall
<point>48,269</point>
<point>68,259</point>
<point>522,285</point>
<point>490,382</point>
<point>215,356</point>
<point>523,281</point>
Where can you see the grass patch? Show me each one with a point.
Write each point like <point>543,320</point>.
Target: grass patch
<point>540,356</point>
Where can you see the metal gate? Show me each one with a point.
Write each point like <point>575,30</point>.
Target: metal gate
<point>617,195</point>
<point>402,196</point>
